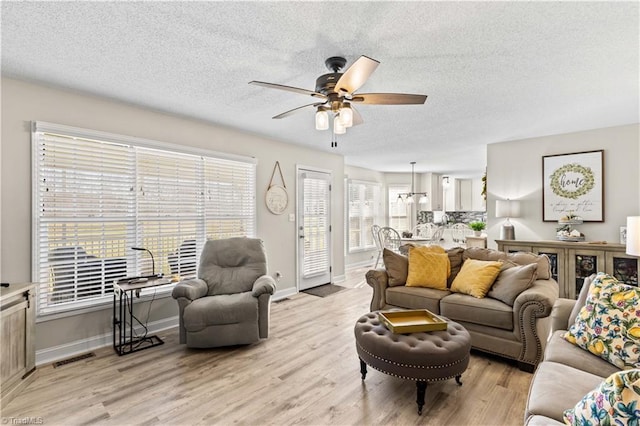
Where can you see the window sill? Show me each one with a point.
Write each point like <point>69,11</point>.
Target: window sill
<point>362,250</point>
<point>145,296</point>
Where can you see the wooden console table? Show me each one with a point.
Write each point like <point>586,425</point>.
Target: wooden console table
<point>572,262</point>
<point>17,350</point>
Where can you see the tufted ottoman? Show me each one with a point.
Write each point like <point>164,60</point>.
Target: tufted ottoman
<point>424,357</point>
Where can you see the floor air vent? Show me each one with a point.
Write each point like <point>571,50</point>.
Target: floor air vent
<point>74,359</point>
<point>282,300</point>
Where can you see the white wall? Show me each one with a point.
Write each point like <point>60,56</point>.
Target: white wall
<point>24,102</point>
<point>514,170</point>
<point>478,202</point>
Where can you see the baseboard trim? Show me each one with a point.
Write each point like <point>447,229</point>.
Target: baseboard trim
<point>283,294</point>
<point>68,350</point>
<point>339,278</point>
<point>357,265</point>
<point>57,353</point>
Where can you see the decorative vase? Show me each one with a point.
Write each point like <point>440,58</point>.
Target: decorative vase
<point>477,233</point>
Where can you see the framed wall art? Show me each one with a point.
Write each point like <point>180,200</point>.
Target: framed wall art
<point>573,184</point>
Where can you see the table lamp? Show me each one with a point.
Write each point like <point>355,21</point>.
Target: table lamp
<point>507,208</point>
<point>633,235</point>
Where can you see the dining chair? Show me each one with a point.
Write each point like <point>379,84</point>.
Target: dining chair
<point>459,232</point>
<point>436,236</point>
<point>375,230</point>
<point>424,230</point>
<point>390,239</point>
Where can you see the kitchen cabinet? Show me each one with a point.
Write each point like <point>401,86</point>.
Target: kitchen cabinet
<point>464,195</point>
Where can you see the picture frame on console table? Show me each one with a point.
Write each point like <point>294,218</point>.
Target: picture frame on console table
<point>573,184</point>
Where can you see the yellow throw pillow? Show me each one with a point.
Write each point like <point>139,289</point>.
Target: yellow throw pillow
<point>434,249</point>
<point>428,267</point>
<point>429,249</point>
<point>476,277</point>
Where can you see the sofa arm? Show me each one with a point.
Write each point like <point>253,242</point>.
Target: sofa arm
<point>263,285</point>
<point>190,289</point>
<point>531,312</point>
<point>542,292</point>
<point>379,281</point>
<point>560,314</point>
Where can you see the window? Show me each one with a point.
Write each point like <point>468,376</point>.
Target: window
<point>398,218</point>
<point>363,211</point>
<point>96,195</point>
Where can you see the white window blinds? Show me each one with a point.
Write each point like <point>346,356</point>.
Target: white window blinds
<point>316,224</point>
<point>169,210</point>
<point>97,195</point>
<point>398,218</point>
<point>363,212</point>
<point>85,206</point>
<point>229,199</point>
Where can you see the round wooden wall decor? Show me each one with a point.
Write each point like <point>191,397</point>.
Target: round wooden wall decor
<point>276,197</point>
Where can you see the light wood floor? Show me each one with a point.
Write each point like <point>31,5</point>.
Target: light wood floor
<point>306,372</point>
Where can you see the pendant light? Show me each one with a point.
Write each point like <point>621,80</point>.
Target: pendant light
<point>409,197</point>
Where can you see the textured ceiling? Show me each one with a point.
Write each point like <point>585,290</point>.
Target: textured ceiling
<point>494,71</point>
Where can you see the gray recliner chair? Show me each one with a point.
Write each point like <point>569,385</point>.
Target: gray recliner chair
<point>228,304</point>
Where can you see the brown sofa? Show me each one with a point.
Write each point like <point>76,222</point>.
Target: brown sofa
<point>517,332</point>
<point>567,372</point>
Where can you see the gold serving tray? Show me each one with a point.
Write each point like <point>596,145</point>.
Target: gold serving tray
<point>412,321</point>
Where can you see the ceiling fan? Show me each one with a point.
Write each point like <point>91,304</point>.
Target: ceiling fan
<point>335,93</point>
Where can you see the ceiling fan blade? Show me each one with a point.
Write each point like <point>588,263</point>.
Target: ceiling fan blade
<point>389,99</point>
<point>289,89</point>
<point>293,111</point>
<point>357,118</point>
<point>356,75</point>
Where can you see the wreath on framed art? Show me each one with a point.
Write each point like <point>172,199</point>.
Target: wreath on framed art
<point>587,184</point>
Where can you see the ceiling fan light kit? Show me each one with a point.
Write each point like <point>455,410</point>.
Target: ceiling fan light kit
<point>336,90</point>
<point>322,119</point>
<point>338,128</point>
<point>346,115</point>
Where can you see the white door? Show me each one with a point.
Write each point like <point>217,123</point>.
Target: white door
<point>314,228</point>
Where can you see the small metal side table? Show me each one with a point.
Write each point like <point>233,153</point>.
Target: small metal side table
<point>123,294</point>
